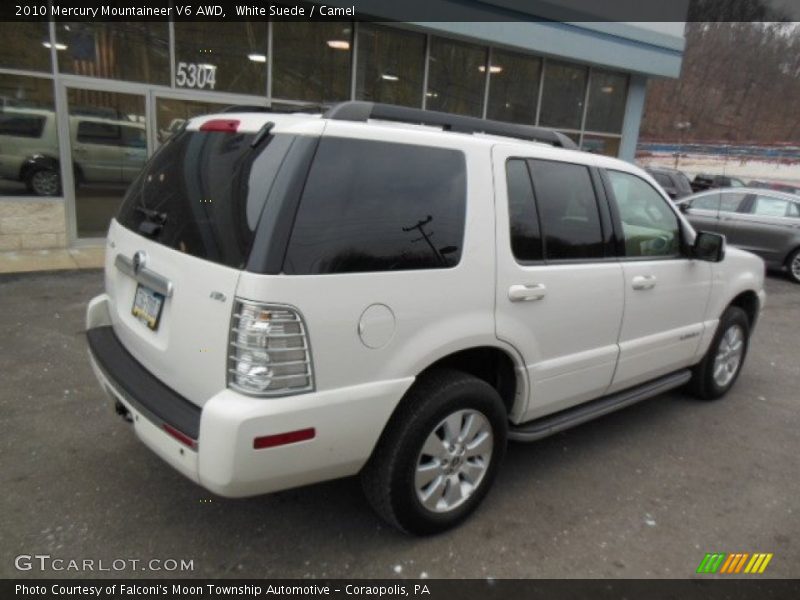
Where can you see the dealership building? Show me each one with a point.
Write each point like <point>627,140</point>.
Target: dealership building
<point>82,105</point>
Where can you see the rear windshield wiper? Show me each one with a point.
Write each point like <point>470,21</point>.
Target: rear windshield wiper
<point>153,221</point>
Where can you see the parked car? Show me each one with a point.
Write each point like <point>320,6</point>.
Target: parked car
<point>103,150</point>
<point>764,222</point>
<point>290,299</point>
<point>703,181</point>
<point>774,185</point>
<point>674,182</point>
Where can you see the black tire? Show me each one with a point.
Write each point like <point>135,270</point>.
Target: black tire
<point>703,384</point>
<point>43,182</point>
<point>388,478</point>
<point>793,266</point>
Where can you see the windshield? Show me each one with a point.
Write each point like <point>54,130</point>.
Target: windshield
<point>203,193</point>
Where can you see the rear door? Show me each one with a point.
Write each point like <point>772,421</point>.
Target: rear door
<point>666,293</point>
<point>769,228</point>
<point>559,287</point>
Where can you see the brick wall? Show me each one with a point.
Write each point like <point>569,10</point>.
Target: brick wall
<point>32,224</point>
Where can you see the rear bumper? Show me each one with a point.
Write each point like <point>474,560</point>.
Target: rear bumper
<point>346,421</point>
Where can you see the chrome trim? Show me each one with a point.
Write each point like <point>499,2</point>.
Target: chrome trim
<point>145,276</point>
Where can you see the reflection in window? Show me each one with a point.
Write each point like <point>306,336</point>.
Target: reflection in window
<point>25,46</point>
<point>649,226</point>
<point>513,87</point>
<point>133,51</point>
<point>378,206</point>
<point>607,94</point>
<point>171,115</point>
<point>456,77</point>
<point>227,57</point>
<point>563,95</point>
<point>311,61</point>
<point>526,238</point>
<point>28,138</point>
<point>390,65</point>
<point>601,144</point>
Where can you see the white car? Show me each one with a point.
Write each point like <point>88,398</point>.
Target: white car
<point>396,293</point>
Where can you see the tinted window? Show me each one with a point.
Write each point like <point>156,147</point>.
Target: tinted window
<point>766,206</point>
<point>21,126</point>
<point>567,209</point>
<point>649,226</point>
<point>526,239</point>
<point>90,132</point>
<point>376,206</point>
<point>203,193</point>
<point>730,202</point>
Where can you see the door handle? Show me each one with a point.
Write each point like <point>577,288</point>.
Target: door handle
<point>644,282</point>
<point>525,293</point>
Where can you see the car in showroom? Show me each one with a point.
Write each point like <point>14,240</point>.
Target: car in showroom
<point>395,293</point>
<point>764,222</point>
<point>674,182</point>
<point>105,150</point>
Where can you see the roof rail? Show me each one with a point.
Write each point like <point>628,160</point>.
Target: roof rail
<point>362,111</point>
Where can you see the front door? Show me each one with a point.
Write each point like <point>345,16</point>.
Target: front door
<point>666,293</point>
<point>559,296</point>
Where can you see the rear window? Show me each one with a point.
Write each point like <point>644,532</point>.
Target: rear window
<point>203,193</point>
<point>379,206</point>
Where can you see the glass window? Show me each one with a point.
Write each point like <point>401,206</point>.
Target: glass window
<point>391,63</point>
<point>513,87</point>
<point>171,114</point>
<point>133,50</point>
<point>29,164</point>
<point>731,202</point>
<point>526,238</point>
<point>377,206</point>
<point>648,224</point>
<point>311,61</point>
<point>25,46</point>
<point>568,211</point>
<point>563,95</point>
<point>607,94</point>
<point>707,202</point>
<point>456,77</point>
<point>767,206</point>
<point>199,194</point>
<point>794,210</point>
<point>228,57</point>
<point>601,144</point>
<point>662,179</point>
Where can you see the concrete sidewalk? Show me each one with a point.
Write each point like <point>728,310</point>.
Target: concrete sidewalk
<point>57,259</point>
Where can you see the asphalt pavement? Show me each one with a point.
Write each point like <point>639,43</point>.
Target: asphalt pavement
<point>641,493</point>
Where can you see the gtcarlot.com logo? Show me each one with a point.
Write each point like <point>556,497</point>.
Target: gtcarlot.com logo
<point>737,562</point>
<point>45,562</point>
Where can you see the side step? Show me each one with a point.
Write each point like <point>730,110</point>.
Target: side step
<point>546,426</point>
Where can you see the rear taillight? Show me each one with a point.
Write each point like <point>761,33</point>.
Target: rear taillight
<point>269,352</point>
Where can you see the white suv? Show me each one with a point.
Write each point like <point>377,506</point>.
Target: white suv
<point>395,292</point>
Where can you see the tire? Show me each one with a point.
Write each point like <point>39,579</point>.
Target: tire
<point>390,479</point>
<point>711,378</point>
<point>44,182</point>
<point>793,266</point>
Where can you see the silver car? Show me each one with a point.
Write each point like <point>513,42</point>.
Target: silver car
<point>765,222</point>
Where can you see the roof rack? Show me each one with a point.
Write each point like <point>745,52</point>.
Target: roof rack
<point>362,111</point>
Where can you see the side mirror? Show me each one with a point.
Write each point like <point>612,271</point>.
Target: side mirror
<point>709,247</point>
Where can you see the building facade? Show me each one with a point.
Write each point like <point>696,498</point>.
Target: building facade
<point>82,105</point>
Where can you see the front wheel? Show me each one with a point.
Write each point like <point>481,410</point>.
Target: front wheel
<point>720,367</point>
<point>44,182</point>
<point>439,454</point>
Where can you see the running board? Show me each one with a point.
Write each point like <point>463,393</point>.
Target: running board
<point>546,426</point>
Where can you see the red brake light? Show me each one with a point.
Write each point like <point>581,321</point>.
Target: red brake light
<point>281,439</point>
<point>223,125</point>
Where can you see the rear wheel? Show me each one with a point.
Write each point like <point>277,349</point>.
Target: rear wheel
<point>44,182</point>
<point>793,266</point>
<point>439,455</point>
<point>720,367</point>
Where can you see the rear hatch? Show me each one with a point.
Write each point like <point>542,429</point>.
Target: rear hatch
<point>184,233</point>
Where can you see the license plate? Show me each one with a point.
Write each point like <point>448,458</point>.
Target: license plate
<point>147,306</point>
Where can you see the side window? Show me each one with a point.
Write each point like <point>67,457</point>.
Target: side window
<point>662,179</point>
<point>568,213</point>
<point>526,238</point>
<point>731,201</point>
<point>91,132</point>
<point>379,206</point>
<point>21,126</point>
<point>707,202</point>
<point>794,210</point>
<point>766,206</point>
<point>134,137</point>
<point>649,226</point>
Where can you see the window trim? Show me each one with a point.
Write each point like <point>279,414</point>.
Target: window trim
<point>683,248</point>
